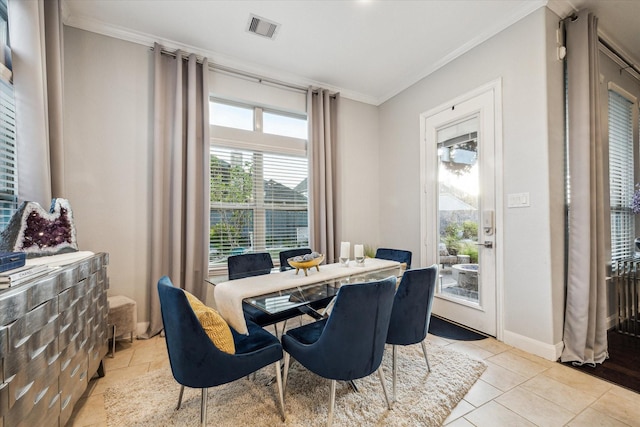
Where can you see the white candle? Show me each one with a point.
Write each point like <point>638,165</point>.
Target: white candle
<point>358,251</point>
<point>345,248</point>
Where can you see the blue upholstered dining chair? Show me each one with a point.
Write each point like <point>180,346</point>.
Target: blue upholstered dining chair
<point>197,363</point>
<point>257,264</point>
<point>411,313</point>
<point>349,344</point>
<point>290,253</point>
<point>399,255</point>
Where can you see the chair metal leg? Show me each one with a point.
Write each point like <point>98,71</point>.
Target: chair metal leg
<point>424,350</point>
<point>203,407</point>
<point>280,390</point>
<point>384,387</point>
<point>395,372</point>
<point>113,343</point>
<point>180,397</point>
<point>332,402</point>
<point>286,372</point>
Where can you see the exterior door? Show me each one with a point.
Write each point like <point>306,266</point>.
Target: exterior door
<point>459,209</point>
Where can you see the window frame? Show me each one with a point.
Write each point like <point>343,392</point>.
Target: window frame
<point>621,214</point>
<point>8,143</point>
<point>256,142</point>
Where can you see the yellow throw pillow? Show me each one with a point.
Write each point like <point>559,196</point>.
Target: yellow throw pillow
<point>213,324</point>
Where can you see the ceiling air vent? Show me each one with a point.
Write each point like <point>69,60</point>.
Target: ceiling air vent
<point>262,27</point>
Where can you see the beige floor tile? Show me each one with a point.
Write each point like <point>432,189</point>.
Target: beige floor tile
<point>462,408</point>
<point>619,407</point>
<point>592,418</point>
<point>501,378</point>
<point>518,364</point>
<point>566,396</point>
<point>578,380</point>
<point>439,341</point>
<point>471,350</point>
<point>459,422</point>
<point>626,393</point>
<point>492,345</point>
<point>538,410</point>
<point>121,360</point>
<point>537,359</point>
<point>495,415</point>
<point>117,375</point>
<point>148,354</point>
<point>481,393</point>
<point>88,411</point>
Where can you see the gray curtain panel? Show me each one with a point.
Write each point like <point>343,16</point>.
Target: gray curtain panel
<point>180,177</point>
<point>38,81</point>
<point>585,329</point>
<point>322,108</point>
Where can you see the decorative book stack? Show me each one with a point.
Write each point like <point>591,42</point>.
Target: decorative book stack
<point>20,275</point>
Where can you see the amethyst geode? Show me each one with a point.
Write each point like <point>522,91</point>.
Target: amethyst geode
<point>39,233</point>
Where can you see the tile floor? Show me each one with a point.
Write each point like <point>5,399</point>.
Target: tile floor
<point>517,389</point>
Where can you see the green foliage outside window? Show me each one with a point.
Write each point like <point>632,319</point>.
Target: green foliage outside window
<point>230,185</point>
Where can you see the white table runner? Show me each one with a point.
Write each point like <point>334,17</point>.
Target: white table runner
<point>229,295</point>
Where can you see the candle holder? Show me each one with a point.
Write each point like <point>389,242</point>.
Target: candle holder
<point>358,251</point>
<point>345,249</point>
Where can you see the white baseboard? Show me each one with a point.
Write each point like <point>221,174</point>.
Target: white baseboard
<point>546,351</point>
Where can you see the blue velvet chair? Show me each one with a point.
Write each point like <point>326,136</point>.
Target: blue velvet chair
<point>411,313</point>
<point>257,264</point>
<point>285,255</point>
<point>399,255</point>
<point>349,344</point>
<point>196,362</point>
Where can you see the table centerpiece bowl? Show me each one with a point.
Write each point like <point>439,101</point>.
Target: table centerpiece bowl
<point>305,265</point>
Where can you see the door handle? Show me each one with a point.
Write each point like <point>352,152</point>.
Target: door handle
<point>486,244</point>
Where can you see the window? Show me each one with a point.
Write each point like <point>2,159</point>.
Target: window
<point>621,172</point>
<point>8,159</point>
<point>258,182</point>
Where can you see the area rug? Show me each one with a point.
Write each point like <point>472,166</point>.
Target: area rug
<point>423,398</point>
<point>444,329</point>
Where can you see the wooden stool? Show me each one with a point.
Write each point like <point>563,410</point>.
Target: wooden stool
<point>122,319</point>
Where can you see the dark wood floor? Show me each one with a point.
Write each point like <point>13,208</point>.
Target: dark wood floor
<point>623,365</point>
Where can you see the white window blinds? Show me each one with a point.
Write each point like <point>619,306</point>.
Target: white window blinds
<point>621,170</point>
<point>258,182</point>
<point>8,159</point>
<point>258,202</point>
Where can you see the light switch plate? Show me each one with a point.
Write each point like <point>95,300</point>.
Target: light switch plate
<point>518,200</point>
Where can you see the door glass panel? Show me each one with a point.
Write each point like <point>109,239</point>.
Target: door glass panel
<point>458,213</point>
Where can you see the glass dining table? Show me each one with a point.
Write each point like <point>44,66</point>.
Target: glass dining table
<point>280,291</point>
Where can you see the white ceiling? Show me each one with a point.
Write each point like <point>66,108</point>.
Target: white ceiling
<point>368,50</point>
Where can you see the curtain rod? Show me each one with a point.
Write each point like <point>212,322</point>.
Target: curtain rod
<point>234,72</point>
<point>627,65</point>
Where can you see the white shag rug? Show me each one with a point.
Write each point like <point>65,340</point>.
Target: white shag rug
<point>423,398</point>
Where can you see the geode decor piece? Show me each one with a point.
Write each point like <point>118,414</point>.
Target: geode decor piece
<point>40,233</point>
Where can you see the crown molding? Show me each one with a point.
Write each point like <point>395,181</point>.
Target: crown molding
<point>479,39</point>
<point>214,58</point>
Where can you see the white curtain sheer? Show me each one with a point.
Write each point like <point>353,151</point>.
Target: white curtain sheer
<point>585,330</point>
<point>36,42</point>
<point>180,183</point>
<point>322,110</point>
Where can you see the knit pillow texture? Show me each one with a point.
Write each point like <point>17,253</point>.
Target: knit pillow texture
<point>213,324</point>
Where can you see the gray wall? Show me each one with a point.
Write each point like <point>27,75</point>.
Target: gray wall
<point>532,115</point>
<point>107,119</point>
